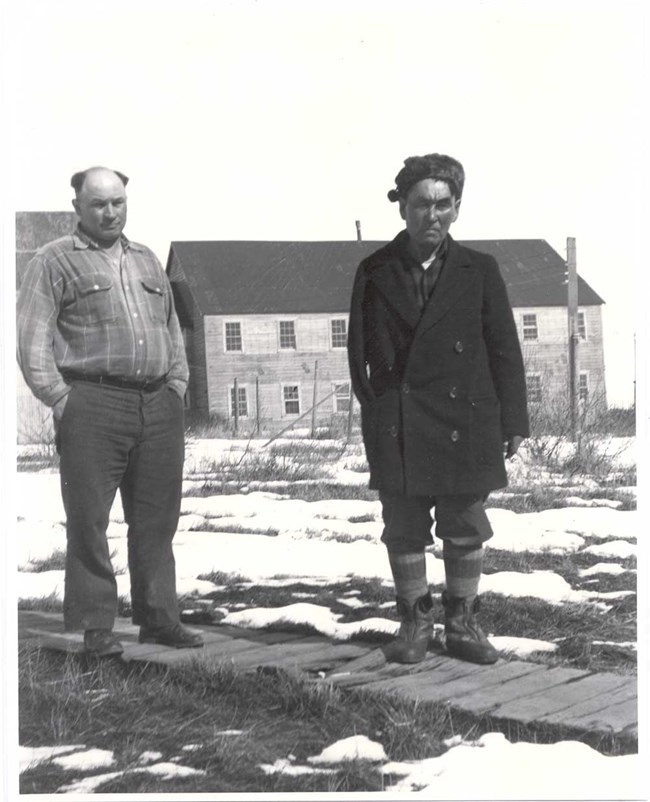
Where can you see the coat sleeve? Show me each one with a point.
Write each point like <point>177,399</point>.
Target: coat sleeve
<point>504,353</point>
<point>356,341</point>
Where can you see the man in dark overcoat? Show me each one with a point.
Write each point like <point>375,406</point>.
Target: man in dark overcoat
<point>436,365</point>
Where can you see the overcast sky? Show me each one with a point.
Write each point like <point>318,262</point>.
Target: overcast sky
<point>278,120</point>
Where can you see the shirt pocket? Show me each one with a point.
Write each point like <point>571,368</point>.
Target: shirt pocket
<point>154,299</point>
<point>94,304</point>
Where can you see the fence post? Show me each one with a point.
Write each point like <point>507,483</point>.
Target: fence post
<point>236,405</point>
<point>350,414</point>
<point>313,408</point>
<point>257,405</point>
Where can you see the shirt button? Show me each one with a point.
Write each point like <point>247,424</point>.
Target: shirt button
<point>458,347</point>
<point>140,342</point>
<point>135,314</point>
<point>393,431</point>
<point>405,388</point>
<point>455,436</point>
<point>453,392</point>
<point>138,371</point>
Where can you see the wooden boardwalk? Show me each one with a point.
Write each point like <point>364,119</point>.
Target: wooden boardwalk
<point>517,691</point>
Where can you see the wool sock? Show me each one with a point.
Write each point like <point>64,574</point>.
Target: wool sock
<point>462,569</point>
<point>409,574</point>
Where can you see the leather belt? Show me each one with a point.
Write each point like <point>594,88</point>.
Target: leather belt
<point>144,385</point>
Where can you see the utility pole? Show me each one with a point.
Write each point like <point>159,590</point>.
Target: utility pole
<point>572,303</point>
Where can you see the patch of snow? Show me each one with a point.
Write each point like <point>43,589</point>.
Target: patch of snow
<point>86,785</point>
<point>149,757</point>
<point>624,644</point>
<point>614,569</point>
<point>89,760</point>
<point>356,747</point>
<point>282,766</point>
<point>613,548</point>
<point>320,618</point>
<point>522,647</point>
<point>30,756</point>
<point>353,602</point>
<point>477,770</point>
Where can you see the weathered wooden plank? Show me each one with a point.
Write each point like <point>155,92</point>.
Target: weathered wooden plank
<point>445,684</point>
<point>217,650</point>
<point>344,679</point>
<point>260,635</point>
<point>537,692</point>
<point>592,690</point>
<point>494,689</point>
<point>334,653</point>
<point>278,653</point>
<point>616,709</point>
<point>374,659</point>
<point>440,670</point>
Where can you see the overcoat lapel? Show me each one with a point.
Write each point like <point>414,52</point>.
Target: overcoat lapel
<point>394,283</point>
<point>455,279</point>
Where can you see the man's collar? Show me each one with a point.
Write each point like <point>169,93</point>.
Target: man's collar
<point>83,242</point>
<point>402,242</point>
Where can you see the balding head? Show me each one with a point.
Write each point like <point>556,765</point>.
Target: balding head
<point>100,203</point>
<point>78,179</point>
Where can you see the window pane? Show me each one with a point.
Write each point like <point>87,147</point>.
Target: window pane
<point>339,333</point>
<point>583,387</point>
<point>534,388</point>
<point>291,400</point>
<point>530,327</point>
<point>287,334</point>
<point>233,336</point>
<point>342,397</point>
<point>242,406</point>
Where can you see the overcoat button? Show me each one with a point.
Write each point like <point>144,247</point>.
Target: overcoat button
<point>453,393</point>
<point>458,347</point>
<point>405,388</point>
<point>393,431</point>
<point>455,436</point>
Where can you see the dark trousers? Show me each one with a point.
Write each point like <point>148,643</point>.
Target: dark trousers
<point>460,519</point>
<point>110,438</point>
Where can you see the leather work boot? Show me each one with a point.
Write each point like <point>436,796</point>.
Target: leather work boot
<point>176,636</point>
<point>464,637</point>
<point>414,633</point>
<point>101,643</point>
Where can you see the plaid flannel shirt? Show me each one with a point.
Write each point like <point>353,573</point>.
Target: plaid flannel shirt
<point>78,313</point>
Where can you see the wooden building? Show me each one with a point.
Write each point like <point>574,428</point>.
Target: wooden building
<point>265,323</point>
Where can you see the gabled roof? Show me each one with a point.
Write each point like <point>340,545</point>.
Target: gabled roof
<point>249,277</point>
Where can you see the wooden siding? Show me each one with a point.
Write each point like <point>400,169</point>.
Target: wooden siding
<point>547,356</point>
<point>262,364</point>
<point>262,360</point>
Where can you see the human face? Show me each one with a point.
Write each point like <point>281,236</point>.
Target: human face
<point>101,206</point>
<point>428,210</point>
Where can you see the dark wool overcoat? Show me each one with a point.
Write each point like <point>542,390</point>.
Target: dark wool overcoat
<point>440,390</point>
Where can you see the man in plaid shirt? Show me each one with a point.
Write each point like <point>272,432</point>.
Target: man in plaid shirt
<point>100,343</point>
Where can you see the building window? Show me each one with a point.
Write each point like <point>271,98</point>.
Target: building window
<point>583,387</point>
<point>287,334</point>
<point>339,331</point>
<point>233,337</point>
<point>530,327</point>
<point>534,388</point>
<point>341,397</point>
<point>582,326</point>
<point>291,399</point>
<point>242,402</point>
